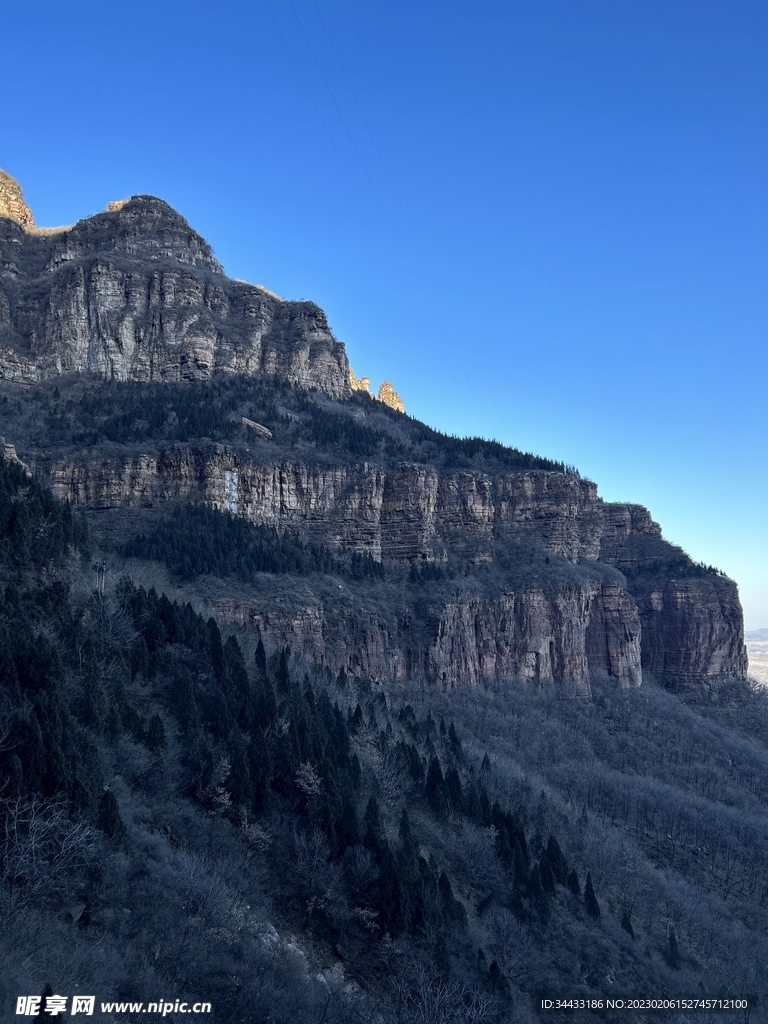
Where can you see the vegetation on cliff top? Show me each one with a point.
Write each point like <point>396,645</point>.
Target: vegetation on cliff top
<point>71,412</point>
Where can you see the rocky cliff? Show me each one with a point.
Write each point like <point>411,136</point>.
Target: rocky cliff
<point>404,513</point>
<point>536,633</point>
<point>540,597</point>
<point>135,294</point>
<point>496,563</point>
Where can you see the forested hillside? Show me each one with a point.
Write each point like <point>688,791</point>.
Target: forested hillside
<point>83,411</point>
<point>186,813</point>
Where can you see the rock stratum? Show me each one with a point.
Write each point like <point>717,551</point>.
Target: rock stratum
<point>496,564</point>
<point>584,584</point>
<point>135,294</point>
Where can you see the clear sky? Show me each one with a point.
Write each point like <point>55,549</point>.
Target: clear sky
<point>544,221</point>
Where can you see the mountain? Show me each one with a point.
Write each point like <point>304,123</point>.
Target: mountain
<point>287,681</point>
<point>496,563</point>
<point>757,651</point>
<point>134,294</point>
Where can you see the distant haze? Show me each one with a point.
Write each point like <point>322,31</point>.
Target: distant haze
<point>757,651</point>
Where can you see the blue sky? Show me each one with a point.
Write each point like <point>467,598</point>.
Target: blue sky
<point>544,221</point>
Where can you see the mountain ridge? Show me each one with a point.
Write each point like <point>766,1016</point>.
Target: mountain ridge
<point>135,295</point>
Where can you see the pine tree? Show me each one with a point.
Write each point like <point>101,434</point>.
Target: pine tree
<point>453,909</point>
<point>497,981</point>
<point>435,789</point>
<point>392,911</point>
<point>673,950</point>
<point>548,879</point>
<point>155,734</point>
<point>347,828</point>
<point>590,900</point>
<point>538,895</point>
<point>109,820</point>
<point>283,675</point>
<point>216,649</point>
<point>573,883</point>
<point>410,846</point>
<point>454,740</point>
<point>626,922</point>
<point>261,661</point>
<point>556,860</point>
<point>372,830</point>
<point>454,791</point>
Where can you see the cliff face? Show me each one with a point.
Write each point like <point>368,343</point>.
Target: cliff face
<point>407,513</point>
<point>692,630</point>
<point>532,574</point>
<point>135,294</point>
<point>537,628</point>
<point>530,634</point>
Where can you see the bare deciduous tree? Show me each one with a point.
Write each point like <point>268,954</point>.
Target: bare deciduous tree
<point>41,847</point>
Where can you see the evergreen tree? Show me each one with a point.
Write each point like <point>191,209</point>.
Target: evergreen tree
<point>261,661</point>
<point>590,900</point>
<point>409,845</point>
<point>372,830</point>
<point>109,820</point>
<point>454,791</point>
<point>435,789</point>
<point>441,958</point>
<point>537,892</point>
<point>216,650</point>
<point>497,981</point>
<point>454,740</point>
<point>548,879</point>
<point>556,860</point>
<point>155,734</point>
<point>673,950</point>
<point>453,909</point>
<point>392,911</point>
<point>347,828</point>
<point>357,719</point>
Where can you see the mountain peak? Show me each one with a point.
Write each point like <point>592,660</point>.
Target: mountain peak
<point>12,203</point>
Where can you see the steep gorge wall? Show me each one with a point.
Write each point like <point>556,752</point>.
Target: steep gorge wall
<point>409,513</point>
<point>531,634</point>
<point>414,514</point>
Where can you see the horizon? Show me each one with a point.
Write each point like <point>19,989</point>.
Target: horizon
<point>543,226</point>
